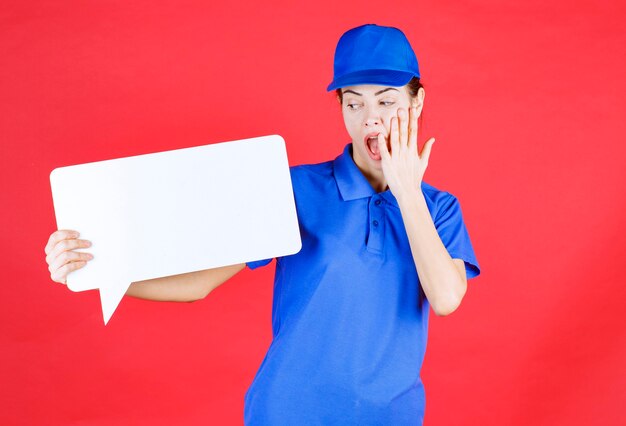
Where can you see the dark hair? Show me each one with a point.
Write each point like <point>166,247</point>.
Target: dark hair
<point>414,85</point>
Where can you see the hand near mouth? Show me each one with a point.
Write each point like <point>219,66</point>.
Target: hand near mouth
<point>403,167</point>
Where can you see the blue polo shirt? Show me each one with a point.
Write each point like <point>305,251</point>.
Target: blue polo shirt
<point>349,317</point>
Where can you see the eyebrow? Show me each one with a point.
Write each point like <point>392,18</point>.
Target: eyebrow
<point>375,94</point>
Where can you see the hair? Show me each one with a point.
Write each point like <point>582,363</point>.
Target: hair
<point>414,85</point>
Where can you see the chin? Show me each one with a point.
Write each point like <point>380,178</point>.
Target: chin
<point>378,164</point>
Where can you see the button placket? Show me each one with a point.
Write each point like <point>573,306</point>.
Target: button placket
<point>376,225</point>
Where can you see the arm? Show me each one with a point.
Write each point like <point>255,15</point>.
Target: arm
<point>443,279</point>
<point>62,259</point>
<point>184,287</point>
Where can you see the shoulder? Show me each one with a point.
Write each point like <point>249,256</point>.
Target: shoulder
<point>304,174</point>
<point>438,201</point>
<point>318,169</point>
<point>313,184</point>
<point>435,195</point>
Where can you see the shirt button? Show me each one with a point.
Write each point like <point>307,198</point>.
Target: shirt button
<point>377,202</point>
<point>375,223</point>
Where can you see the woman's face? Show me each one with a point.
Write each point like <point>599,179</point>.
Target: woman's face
<point>367,111</point>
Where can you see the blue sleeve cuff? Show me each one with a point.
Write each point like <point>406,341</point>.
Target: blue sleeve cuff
<point>258,263</point>
<point>472,268</point>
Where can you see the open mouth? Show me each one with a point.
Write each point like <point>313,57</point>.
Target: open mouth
<point>371,143</point>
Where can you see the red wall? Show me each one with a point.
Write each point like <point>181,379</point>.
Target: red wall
<point>526,100</point>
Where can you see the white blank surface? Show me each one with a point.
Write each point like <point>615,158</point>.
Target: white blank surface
<point>177,211</point>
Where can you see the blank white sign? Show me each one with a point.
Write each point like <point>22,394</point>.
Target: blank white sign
<point>179,211</point>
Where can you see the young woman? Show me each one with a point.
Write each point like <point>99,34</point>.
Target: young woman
<point>379,248</point>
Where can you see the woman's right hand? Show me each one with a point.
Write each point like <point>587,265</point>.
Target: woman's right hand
<point>60,254</point>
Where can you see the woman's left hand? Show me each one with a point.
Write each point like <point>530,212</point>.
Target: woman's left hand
<point>404,168</point>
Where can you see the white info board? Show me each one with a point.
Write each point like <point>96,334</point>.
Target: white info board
<point>179,211</point>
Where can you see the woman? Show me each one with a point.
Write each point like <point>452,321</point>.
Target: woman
<point>379,247</point>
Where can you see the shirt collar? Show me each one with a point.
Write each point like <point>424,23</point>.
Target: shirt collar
<point>351,182</point>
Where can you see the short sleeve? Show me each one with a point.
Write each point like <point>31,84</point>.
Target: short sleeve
<point>258,263</point>
<point>453,233</point>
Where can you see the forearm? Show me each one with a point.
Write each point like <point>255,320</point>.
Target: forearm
<point>440,279</point>
<point>184,287</point>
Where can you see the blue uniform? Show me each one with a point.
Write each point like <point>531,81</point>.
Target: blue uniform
<point>349,317</point>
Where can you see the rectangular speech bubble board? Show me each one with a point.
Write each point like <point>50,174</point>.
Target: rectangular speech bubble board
<point>179,211</point>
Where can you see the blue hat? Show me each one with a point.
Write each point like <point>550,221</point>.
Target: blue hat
<point>371,54</point>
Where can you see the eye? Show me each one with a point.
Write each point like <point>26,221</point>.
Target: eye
<point>352,106</point>
<point>387,103</point>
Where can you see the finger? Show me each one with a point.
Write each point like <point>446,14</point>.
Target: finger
<point>428,146</point>
<point>60,275</point>
<point>403,120</point>
<point>67,257</point>
<point>382,147</point>
<point>394,135</point>
<point>65,245</point>
<point>57,236</point>
<point>413,130</point>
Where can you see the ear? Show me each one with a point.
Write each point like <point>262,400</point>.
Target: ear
<point>418,101</point>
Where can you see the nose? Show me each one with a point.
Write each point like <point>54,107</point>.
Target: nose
<point>372,118</point>
<point>372,122</point>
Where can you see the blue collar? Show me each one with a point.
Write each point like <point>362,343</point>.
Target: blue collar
<point>351,182</point>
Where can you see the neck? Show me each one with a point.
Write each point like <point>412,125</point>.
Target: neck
<point>376,178</point>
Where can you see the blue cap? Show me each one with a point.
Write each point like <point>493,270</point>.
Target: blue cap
<point>372,54</point>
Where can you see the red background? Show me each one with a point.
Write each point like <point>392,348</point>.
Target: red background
<point>526,101</point>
